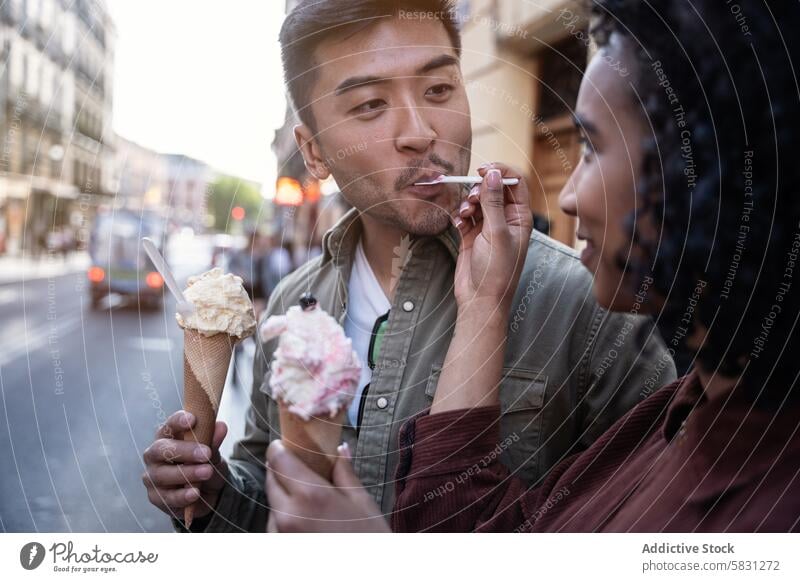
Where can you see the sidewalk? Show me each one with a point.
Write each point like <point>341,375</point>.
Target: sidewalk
<point>236,397</point>
<point>18,269</point>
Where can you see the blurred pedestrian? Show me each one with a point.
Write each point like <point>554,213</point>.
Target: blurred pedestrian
<point>276,265</point>
<point>244,262</point>
<point>55,242</point>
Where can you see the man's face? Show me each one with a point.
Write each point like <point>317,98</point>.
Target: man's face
<point>390,110</point>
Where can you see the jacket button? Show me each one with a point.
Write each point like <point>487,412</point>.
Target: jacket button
<point>408,306</point>
<point>382,403</point>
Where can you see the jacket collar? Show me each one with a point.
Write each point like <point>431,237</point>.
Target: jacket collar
<point>339,243</point>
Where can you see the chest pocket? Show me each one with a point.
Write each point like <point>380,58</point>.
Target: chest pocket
<point>522,398</point>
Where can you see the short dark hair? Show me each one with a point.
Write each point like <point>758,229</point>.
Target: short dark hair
<point>312,22</point>
<point>719,179</point>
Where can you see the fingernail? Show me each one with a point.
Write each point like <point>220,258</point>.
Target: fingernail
<point>484,166</point>
<point>344,451</point>
<point>458,222</point>
<point>186,420</point>
<point>465,206</point>
<point>192,494</point>
<point>202,453</point>
<point>203,472</point>
<point>474,194</point>
<point>494,180</point>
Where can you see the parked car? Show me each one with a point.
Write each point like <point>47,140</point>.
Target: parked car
<point>119,264</point>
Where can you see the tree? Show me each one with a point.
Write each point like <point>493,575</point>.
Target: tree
<point>227,192</point>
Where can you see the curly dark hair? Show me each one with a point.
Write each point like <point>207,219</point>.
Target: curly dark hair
<point>720,181</point>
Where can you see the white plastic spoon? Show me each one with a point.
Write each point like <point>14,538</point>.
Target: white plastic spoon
<point>184,307</point>
<point>464,180</point>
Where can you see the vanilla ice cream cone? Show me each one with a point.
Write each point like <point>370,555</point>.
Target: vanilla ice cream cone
<point>205,366</point>
<point>222,316</point>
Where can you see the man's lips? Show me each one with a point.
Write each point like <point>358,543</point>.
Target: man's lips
<point>426,192</point>
<point>426,177</point>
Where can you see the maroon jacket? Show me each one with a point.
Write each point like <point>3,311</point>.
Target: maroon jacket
<point>677,462</point>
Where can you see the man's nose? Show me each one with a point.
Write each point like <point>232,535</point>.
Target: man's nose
<point>414,132</point>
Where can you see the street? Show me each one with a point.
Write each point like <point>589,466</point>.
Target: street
<point>81,395</point>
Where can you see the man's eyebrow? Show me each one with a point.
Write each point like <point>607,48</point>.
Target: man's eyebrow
<point>438,62</point>
<point>584,124</point>
<point>356,82</point>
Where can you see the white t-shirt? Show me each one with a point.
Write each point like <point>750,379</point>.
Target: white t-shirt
<point>367,302</point>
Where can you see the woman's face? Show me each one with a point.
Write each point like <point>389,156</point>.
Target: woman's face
<point>601,192</point>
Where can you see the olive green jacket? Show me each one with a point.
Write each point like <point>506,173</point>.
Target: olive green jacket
<point>571,368</point>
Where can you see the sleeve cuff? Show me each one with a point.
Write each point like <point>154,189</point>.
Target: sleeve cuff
<point>239,508</point>
<point>453,440</point>
<point>213,521</point>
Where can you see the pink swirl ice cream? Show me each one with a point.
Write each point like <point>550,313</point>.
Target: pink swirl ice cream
<point>315,371</point>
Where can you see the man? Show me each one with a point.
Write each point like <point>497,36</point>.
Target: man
<point>378,88</point>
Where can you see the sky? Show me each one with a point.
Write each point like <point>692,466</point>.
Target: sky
<point>201,78</point>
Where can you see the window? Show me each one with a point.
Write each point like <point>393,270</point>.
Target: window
<point>32,75</point>
<point>34,10</point>
<point>46,94</point>
<point>68,36</point>
<point>30,150</point>
<point>18,67</point>
<point>47,14</point>
<point>562,70</point>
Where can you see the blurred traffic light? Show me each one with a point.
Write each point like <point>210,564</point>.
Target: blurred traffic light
<point>238,213</point>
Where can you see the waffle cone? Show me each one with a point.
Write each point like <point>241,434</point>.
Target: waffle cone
<point>313,441</point>
<point>205,367</point>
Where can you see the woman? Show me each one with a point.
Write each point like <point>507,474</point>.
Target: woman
<point>686,198</point>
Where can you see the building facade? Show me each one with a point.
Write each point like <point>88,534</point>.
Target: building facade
<point>142,176</point>
<point>56,108</point>
<point>523,63</point>
<point>189,184</point>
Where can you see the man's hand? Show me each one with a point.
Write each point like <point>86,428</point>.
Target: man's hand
<point>172,464</point>
<point>302,501</point>
<point>495,223</point>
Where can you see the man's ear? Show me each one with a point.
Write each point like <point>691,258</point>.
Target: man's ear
<point>312,155</point>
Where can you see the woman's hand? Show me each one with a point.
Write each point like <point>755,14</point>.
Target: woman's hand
<point>493,252</point>
<point>495,223</point>
<point>302,501</point>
